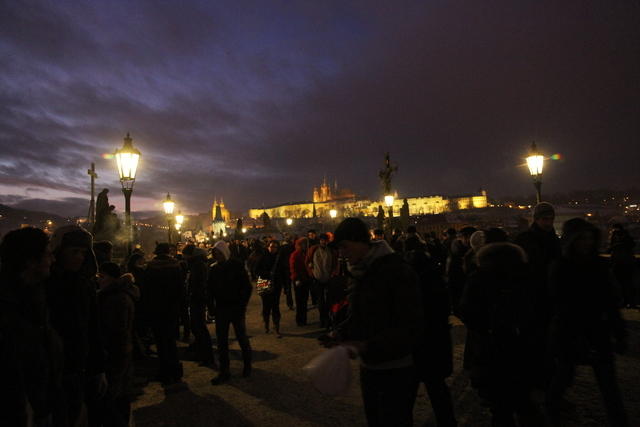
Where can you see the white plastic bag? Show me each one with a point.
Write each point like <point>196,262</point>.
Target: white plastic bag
<point>330,372</point>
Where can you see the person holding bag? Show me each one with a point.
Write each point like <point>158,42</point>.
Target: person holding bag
<point>271,270</point>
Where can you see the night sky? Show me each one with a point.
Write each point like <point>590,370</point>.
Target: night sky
<point>256,101</point>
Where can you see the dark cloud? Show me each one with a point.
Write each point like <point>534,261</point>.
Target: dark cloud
<point>255,102</point>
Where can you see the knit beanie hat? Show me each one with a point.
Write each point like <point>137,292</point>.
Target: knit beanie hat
<point>543,209</point>
<point>222,246</point>
<point>75,236</point>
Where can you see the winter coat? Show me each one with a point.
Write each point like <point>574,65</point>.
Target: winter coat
<point>117,312</point>
<point>433,354</point>
<point>455,263</point>
<point>384,309</point>
<point>229,286</point>
<point>164,288</point>
<point>298,262</point>
<point>31,354</point>
<point>74,315</point>
<point>496,307</point>
<point>198,275</point>
<point>542,248</point>
<point>273,267</point>
<point>585,316</point>
<point>322,263</point>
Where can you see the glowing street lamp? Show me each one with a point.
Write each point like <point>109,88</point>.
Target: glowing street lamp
<point>535,162</point>
<point>388,200</point>
<point>127,159</point>
<point>178,226</point>
<point>333,213</point>
<point>168,206</point>
<point>289,221</point>
<point>179,218</point>
<point>244,230</point>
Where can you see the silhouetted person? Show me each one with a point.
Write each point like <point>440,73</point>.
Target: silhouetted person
<point>163,293</point>
<point>586,327</point>
<point>383,325</point>
<point>496,309</point>
<point>229,291</point>
<point>322,262</point>
<point>71,295</point>
<point>116,301</point>
<point>272,267</point>
<point>433,355</point>
<point>198,272</point>
<point>31,353</point>
<point>542,246</point>
<point>300,279</point>
<point>456,276</point>
<point>624,264</point>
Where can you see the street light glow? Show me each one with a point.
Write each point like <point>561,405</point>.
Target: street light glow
<point>168,205</point>
<point>333,213</point>
<point>388,200</point>
<point>535,161</point>
<point>179,218</point>
<point>127,159</point>
<point>289,221</point>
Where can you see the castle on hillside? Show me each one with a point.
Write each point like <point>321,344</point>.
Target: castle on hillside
<point>326,194</point>
<point>325,198</point>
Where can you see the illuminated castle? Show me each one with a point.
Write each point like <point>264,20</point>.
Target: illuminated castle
<point>325,194</point>
<point>348,204</point>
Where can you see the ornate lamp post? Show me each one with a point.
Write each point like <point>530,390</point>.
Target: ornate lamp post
<point>127,159</point>
<point>333,213</point>
<point>168,205</point>
<point>535,162</point>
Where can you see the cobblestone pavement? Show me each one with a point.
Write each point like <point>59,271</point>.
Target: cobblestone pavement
<point>278,393</point>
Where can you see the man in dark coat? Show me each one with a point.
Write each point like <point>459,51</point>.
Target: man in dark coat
<point>433,355</point>
<point>542,246</point>
<point>383,325</point>
<point>586,327</point>
<point>116,300</point>
<point>30,350</point>
<point>163,294</point>
<point>71,295</point>
<point>229,293</point>
<point>496,309</point>
<point>198,271</point>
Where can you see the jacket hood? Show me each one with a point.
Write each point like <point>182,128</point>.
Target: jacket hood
<point>501,258</point>
<point>73,235</point>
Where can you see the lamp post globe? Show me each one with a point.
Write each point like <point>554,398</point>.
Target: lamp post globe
<point>179,218</point>
<point>289,221</point>
<point>168,206</point>
<point>127,159</point>
<point>535,163</point>
<point>333,213</point>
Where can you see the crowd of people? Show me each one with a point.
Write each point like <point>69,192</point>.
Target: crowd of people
<point>535,306</point>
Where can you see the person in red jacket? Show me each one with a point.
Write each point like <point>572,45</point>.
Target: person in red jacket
<point>300,279</point>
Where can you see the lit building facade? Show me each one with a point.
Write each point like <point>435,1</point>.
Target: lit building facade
<point>347,204</point>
